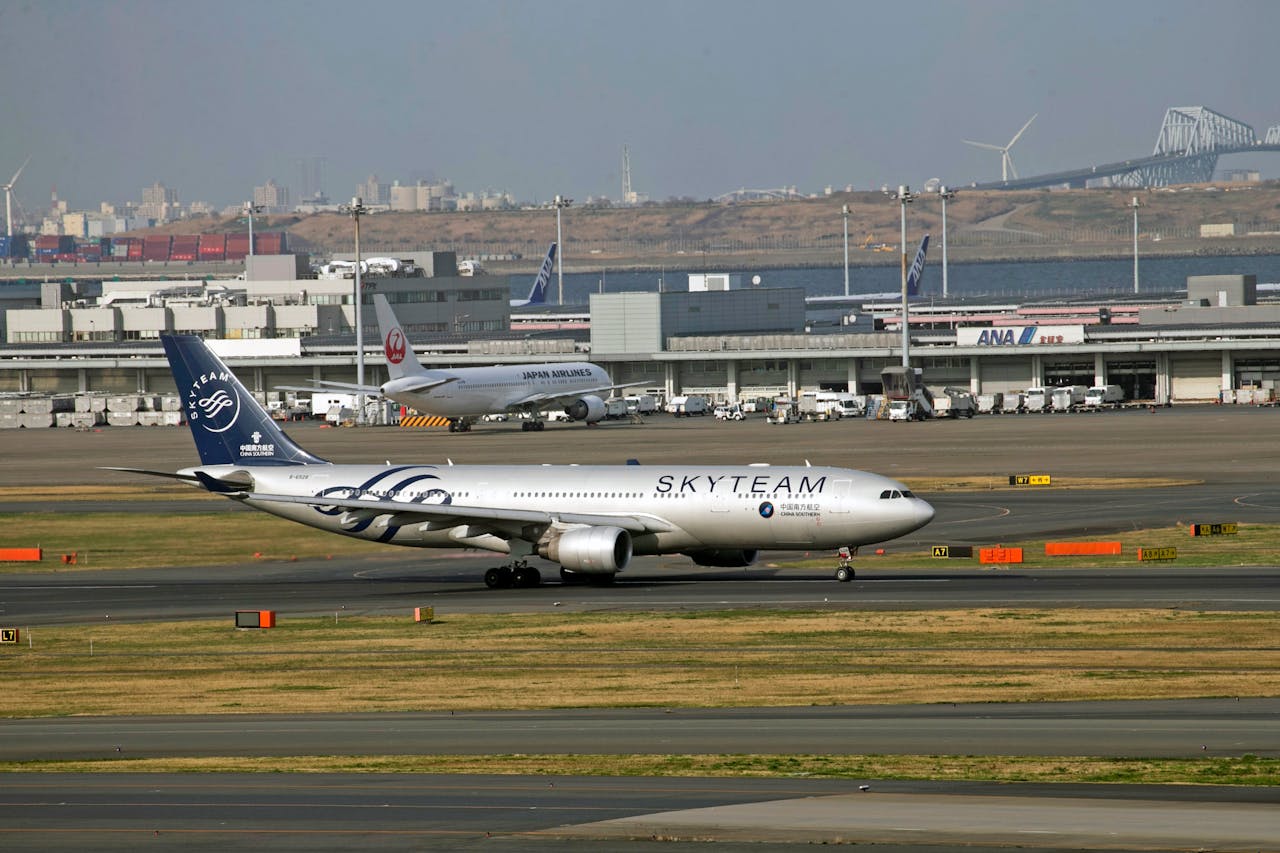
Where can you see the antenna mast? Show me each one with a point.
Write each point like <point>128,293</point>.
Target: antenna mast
<point>626,173</point>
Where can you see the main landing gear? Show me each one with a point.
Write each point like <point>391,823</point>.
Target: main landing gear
<point>532,426</point>
<point>460,425</point>
<point>518,574</point>
<point>844,571</point>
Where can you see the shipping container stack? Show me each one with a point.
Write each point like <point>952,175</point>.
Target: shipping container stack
<point>155,248</point>
<point>15,247</point>
<point>213,247</point>
<point>123,249</point>
<point>237,246</point>
<point>93,249</point>
<point>185,247</point>
<point>50,248</point>
<point>269,243</point>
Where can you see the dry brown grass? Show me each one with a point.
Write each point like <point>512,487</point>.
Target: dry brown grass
<point>1243,770</point>
<point>517,661</point>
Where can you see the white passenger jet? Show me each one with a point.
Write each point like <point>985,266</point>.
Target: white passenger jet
<point>463,394</point>
<point>590,520</point>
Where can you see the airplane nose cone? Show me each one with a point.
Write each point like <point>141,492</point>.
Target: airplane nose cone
<point>924,512</point>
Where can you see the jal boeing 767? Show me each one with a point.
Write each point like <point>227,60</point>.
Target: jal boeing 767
<point>589,520</point>
<point>463,394</point>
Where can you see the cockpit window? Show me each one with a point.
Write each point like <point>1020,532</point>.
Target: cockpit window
<point>885,495</point>
<point>907,494</point>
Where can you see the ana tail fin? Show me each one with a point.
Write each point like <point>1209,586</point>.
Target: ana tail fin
<point>538,293</point>
<point>228,425</point>
<point>401,360</point>
<point>917,268</point>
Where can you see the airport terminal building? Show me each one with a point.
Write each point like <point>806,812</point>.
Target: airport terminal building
<point>281,326</point>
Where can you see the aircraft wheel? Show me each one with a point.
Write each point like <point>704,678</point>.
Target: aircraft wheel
<point>453,426</point>
<point>539,426</point>
<point>526,426</point>
<point>844,574</point>
<point>493,579</point>
<point>523,576</point>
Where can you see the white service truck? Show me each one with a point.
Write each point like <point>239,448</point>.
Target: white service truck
<point>1068,398</point>
<point>1104,396</point>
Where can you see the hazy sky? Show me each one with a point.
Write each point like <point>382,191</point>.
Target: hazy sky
<point>538,98</point>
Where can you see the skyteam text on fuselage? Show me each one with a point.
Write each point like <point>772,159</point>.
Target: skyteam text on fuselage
<point>590,520</point>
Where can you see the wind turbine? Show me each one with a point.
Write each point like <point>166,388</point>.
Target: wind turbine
<point>8,198</point>
<point>1006,162</point>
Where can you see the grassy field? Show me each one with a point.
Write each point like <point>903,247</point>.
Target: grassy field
<point>618,659</point>
<point>730,658</point>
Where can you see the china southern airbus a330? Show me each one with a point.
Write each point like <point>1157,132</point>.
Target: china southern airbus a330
<point>590,520</point>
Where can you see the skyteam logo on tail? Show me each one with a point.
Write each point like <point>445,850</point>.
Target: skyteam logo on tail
<point>395,346</point>
<point>212,402</point>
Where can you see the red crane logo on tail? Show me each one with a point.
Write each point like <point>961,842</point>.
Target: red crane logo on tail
<point>395,346</point>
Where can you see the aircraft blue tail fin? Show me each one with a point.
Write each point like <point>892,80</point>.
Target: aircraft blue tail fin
<point>917,268</point>
<point>228,425</point>
<point>538,293</point>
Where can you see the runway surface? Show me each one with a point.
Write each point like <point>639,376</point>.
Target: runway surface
<point>1193,728</point>
<point>68,812</point>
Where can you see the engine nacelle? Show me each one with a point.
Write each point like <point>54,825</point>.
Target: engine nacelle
<point>590,550</point>
<point>728,558</point>
<point>589,408</point>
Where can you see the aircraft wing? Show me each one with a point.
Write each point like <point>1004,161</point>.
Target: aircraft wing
<point>330,385</point>
<point>535,400</point>
<point>410,513</point>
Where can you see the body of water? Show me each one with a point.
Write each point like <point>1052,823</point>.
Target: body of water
<point>1004,280</point>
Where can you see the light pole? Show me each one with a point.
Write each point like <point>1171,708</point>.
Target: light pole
<point>355,210</point>
<point>845,211</point>
<point>944,193</point>
<point>560,204</point>
<point>1135,244</point>
<point>904,197</point>
<point>249,210</point>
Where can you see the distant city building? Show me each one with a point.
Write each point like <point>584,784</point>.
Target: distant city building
<point>272,197</point>
<point>159,203</point>
<point>374,192</point>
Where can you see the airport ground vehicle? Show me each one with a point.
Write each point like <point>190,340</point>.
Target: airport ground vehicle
<point>954,403</point>
<point>731,412</point>
<point>642,404</point>
<point>990,404</point>
<point>1035,400</point>
<point>688,406</point>
<point>1067,398</point>
<point>1104,396</point>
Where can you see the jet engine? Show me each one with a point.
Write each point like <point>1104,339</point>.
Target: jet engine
<point>729,558</point>
<point>589,408</point>
<point>590,550</point>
